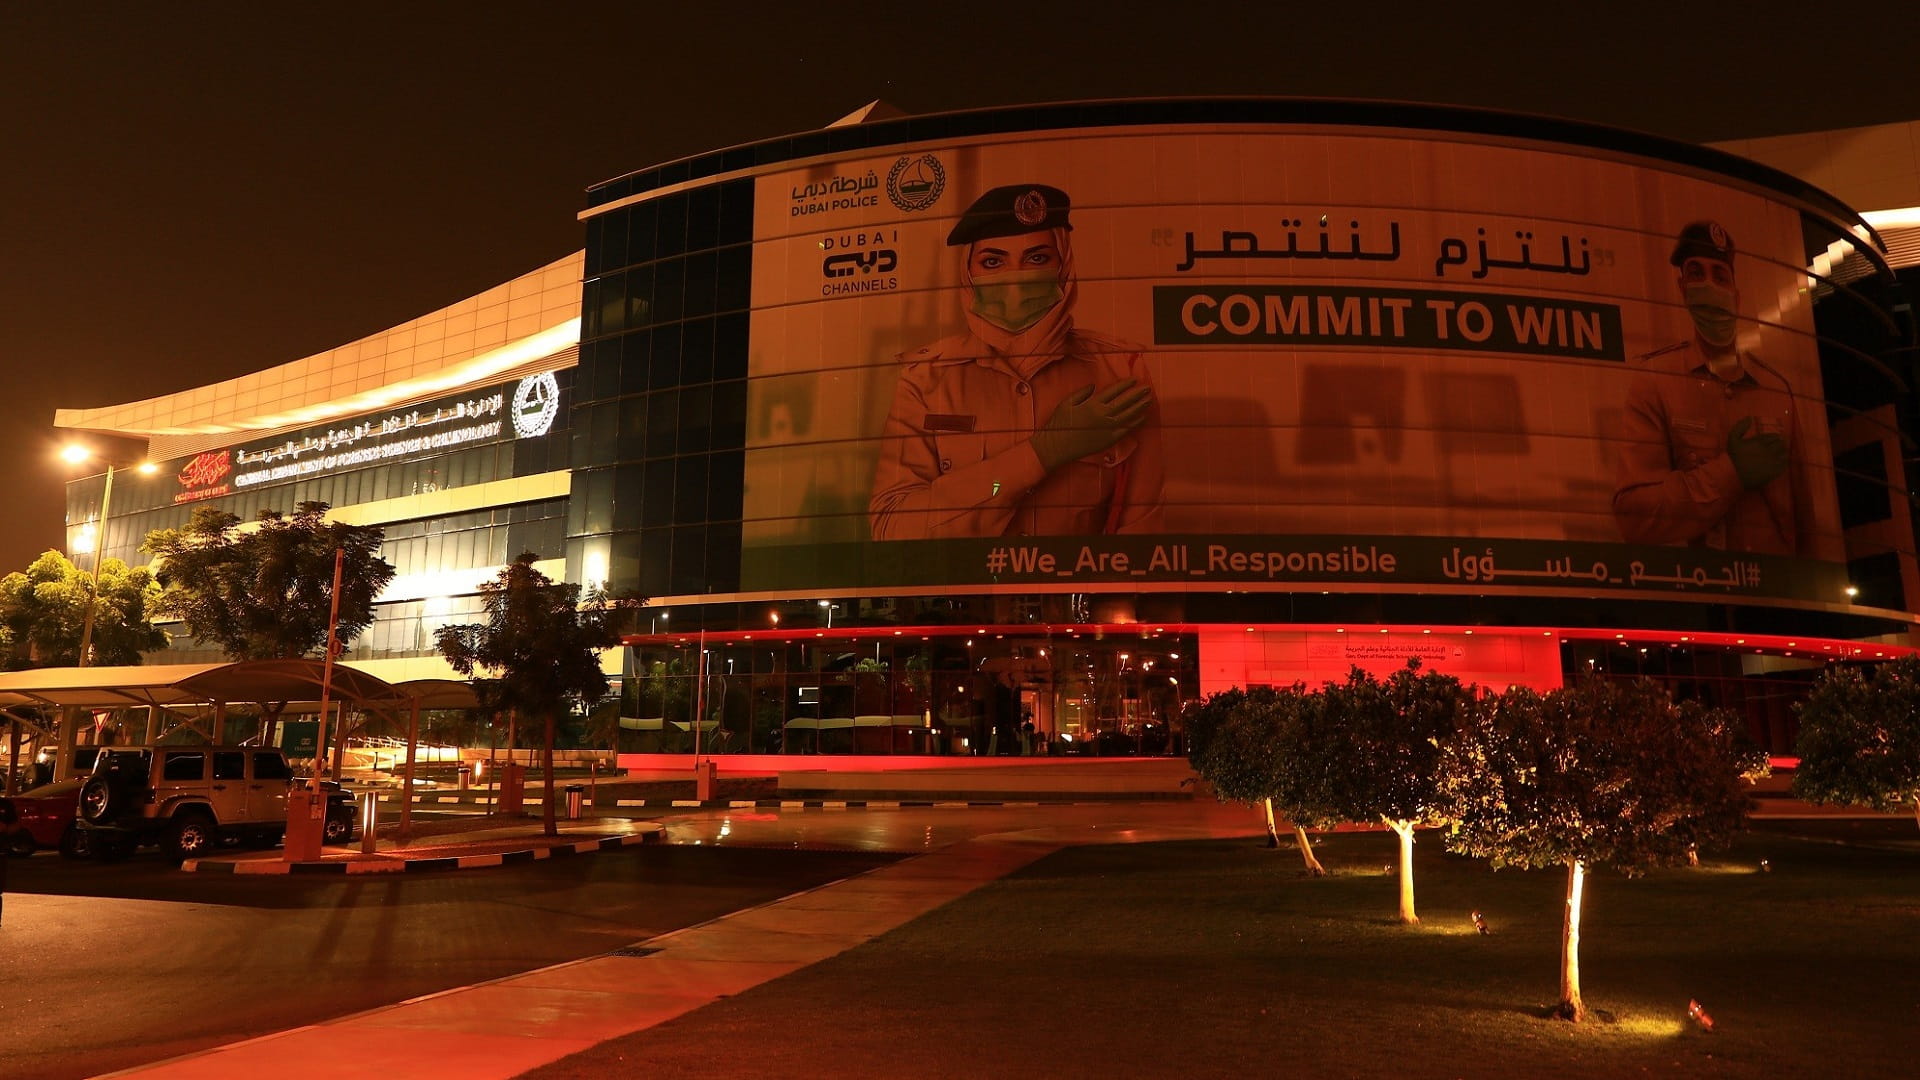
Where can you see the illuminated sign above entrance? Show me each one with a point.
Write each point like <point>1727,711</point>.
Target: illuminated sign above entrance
<point>436,427</point>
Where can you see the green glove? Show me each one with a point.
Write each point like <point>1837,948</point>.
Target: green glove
<point>1088,421</point>
<point>1759,459</point>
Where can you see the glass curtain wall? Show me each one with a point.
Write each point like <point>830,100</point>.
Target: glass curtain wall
<point>988,695</point>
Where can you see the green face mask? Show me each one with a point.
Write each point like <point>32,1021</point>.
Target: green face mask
<point>1712,311</point>
<point>1016,301</point>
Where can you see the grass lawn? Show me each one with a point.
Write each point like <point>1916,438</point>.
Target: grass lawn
<point>1219,958</point>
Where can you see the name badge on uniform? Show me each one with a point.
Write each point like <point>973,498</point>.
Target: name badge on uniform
<point>1697,426</point>
<point>950,422</point>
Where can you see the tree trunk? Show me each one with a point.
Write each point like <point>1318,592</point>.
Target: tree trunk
<point>1405,831</point>
<point>339,740</point>
<point>1273,834</point>
<point>270,721</point>
<point>13,758</point>
<point>1571,1007</point>
<point>1306,852</point>
<point>546,768</point>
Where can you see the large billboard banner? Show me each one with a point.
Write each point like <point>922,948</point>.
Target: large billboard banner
<point>1286,358</point>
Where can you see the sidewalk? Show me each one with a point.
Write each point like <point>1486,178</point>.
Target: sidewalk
<point>506,1027</point>
<point>497,844</point>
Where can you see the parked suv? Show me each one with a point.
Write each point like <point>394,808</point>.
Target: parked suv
<point>188,798</point>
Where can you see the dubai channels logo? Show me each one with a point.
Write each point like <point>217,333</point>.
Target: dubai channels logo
<point>915,183</point>
<point>536,401</point>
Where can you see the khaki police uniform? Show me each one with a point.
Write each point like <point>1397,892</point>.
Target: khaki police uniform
<point>1678,485</point>
<point>958,460</point>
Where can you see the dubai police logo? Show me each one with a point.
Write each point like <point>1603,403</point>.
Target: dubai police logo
<point>536,401</point>
<point>1030,209</point>
<point>1718,235</point>
<point>916,183</point>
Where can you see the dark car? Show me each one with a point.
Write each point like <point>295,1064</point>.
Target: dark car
<point>44,819</point>
<point>343,821</point>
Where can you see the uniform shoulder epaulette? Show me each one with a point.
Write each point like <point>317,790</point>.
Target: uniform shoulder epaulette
<point>951,349</point>
<point>1092,341</point>
<point>1664,350</point>
<point>1755,364</point>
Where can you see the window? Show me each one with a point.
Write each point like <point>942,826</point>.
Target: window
<point>663,418</point>
<point>696,351</point>
<point>690,493</point>
<point>230,765</point>
<point>730,347</point>
<point>734,272</point>
<point>703,218</point>
<point>698,295</point>
<point>695,401</point>
<point>184,765</point>
<point>663,365</point>
<point>669,290</point>
<point>271,767</point>
<point>670,230</point>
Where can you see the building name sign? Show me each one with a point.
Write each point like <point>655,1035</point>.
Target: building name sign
<point>398,437</point>
<point>205,477</point>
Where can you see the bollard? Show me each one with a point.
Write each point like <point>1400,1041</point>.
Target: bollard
<point>576,800</point>
<point>369,820</point>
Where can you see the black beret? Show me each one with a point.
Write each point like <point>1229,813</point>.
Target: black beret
<point>1703,240</point>
<point>1010,211</point>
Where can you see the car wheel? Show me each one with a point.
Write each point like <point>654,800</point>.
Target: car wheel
<point>99,801</point>
<point>339,828</point>
<point>76,843</point>
<point>190,836</point>
<point>20,844</point>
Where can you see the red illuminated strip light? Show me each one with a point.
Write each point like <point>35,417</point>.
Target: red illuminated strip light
<point>1787,645</point>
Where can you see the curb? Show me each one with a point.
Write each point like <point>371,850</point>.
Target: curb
<point>829,804</point>
<point>261,867</point>
<point>780,804</point>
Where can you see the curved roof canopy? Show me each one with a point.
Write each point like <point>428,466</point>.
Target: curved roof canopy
<point>248,681</point>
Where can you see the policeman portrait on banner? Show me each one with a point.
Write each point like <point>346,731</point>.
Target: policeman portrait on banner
<point>1712,453</point>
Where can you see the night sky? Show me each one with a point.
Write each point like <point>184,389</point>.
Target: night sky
<point>189,192</point>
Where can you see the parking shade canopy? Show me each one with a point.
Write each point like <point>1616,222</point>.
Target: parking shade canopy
<point>177,685</point>
<point>429,694</point>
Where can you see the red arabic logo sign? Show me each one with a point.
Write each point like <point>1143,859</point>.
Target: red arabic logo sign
<point>201,477</point>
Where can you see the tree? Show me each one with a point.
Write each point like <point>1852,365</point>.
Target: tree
<point>266,593</point>
<point>540,647</point>
<point>1383,749</point>
<point>1263,746</point>
<point>1603,773</point>
<point>44,609</point>
<point>1859,740</point>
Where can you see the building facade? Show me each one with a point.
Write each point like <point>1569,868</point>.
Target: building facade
<point>1011,431</point>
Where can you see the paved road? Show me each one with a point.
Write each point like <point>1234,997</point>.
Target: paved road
<point>107,966</point>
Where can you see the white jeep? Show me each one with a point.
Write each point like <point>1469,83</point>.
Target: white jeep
<point>189,798</point>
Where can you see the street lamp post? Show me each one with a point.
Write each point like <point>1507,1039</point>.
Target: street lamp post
<point>77,454</point>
